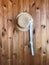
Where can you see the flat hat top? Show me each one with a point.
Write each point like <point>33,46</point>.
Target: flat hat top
<point>23,21</point>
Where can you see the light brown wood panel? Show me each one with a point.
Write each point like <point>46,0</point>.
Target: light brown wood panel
<point>43,32</point>
<point>1,25</point>
<point>4,35</point>
<point>20,36</point>
<point>38,37</point>
<point>14,44</point>
<point>32,10</point>
<point>26,38</point>
<point>10,33</point>
<point>38,34</point>
<point>15,33</point>
<point>47,45</point>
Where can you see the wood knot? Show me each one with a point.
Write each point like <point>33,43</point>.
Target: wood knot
<point>40,48</point>
<point>4,5</point>
<point>43,26</point>
<point>34,31</point>
<point>47,41</point>
<point>33,4</point>
<point>14,54</point>
<point>9,20</point>
<point>14,29</point>
<point>3,55</point>
<point>0,44</point>
<point>11,1</point>
<point>3,34</point>
<point>28,45</point>
<point>37,7</point>
<point>10,37</point>
<point>44,52</point>
<point>4,29</point>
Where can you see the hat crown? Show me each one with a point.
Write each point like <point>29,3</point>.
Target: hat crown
<point>23,21</point>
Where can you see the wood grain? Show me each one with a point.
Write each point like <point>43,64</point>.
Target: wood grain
<point>47,45</point>
<point>43,32</point>
<point>15,33</point>
<point>20,36</point>
<point>14,44</point>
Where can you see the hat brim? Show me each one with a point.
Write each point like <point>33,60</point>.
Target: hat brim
<point>22,29</point>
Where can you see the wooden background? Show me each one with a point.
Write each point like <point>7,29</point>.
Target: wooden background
<point>14,44</point>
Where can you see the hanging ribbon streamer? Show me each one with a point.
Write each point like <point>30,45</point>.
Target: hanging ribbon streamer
<point>31,37</point>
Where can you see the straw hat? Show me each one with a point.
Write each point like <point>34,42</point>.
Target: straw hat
<point>23,21</point>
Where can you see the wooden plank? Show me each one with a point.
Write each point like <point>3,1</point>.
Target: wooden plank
<point>15,8</point>
<point>26,37</point>
<point>26,5</point>
<point>38,38</point>
<point>1,25</point>
<point>37,34</point>
<point>47,45</point>
<point>15,48</point>
<point>10,33</point>
<point>20,5</point>
<point>20,40</point>
<point>32,10</point>
<point>4,35</point>
<point>15,33</point>
<point>43,32</point>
